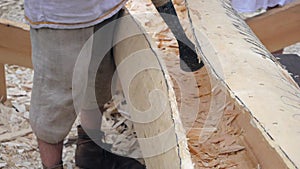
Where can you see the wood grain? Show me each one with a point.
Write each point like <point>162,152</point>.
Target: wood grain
<point>15,46</point>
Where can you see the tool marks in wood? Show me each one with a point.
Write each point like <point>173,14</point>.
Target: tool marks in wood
<point>244,30</point>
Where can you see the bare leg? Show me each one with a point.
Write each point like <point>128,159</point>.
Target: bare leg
<point>51,154</point>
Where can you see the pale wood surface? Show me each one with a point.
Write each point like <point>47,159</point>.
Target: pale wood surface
<point>151,100</point>
<point>252,76</point>
<point>278,27</point>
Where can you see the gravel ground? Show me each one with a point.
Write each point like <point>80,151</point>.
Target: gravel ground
<point>12,10</point>
<point>293,49</point>
<point>18,145</point>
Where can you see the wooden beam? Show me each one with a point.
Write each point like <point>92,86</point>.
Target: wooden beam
<point>142,72</point>
<point>259,85</point>
<point>279,27</point>
<point>263,92</point>
<point>15,46</point>
<point>3,94</point>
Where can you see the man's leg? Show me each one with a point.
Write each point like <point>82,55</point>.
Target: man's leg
<point>54,53</point>
<point>51,154</point>
<point>91,151</point>
<point>101,70</point>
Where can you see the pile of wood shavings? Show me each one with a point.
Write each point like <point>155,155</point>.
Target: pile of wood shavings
<point>223,143</point>
<point>18,150</point>
<point>12,10</point>
<point>18,144</point>
<point>119,130</point>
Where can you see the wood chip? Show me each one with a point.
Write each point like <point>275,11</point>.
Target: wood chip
<point>3,164</point>
<point>11,136</point>
<point>217,139</point>
<point>231,149</point>
<point>2,131</point>
<point>230,120</point>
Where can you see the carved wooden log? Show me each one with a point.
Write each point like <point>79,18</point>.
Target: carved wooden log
<point>268,97</point>
<point>246,79</point>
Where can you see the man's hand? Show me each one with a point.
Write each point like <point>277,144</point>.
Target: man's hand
<point>188,57</point>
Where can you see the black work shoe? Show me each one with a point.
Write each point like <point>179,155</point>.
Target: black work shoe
<point>90,155</point>
<point>59,166</point>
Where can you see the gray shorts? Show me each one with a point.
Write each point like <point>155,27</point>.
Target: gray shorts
<point>55,56</point>
<point>68,77</point>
